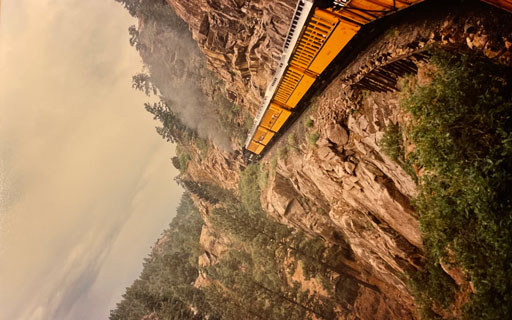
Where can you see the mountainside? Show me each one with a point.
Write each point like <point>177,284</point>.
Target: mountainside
<point>241,39</point>
<point>338,220</point>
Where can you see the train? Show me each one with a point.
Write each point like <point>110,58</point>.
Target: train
<point>318,32</point>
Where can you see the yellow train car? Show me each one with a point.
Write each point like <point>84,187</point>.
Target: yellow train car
<point>326,34</point>
<point>317,34</point>
<point>273,119</point>
<point>316,37</point>
<point>255,147</point>
<point>294,85</point>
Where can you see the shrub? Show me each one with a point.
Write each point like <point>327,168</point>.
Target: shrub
<point>309,123</point>
<point>463,138</point>
<point>282,152</point>
<point>183,159</point>
<point>203,146</point>
<point>313,138</point>
<point>432,286</point>
<point>392,142</point>
<point>250,188</point>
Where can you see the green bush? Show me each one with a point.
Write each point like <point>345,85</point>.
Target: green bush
<point>432,286</point>
<point>463,138</point>
<point>313,138</point>
<point>309,123</point>
<point>250,188</point>
<point>392,142</point>
<point>183,158</point>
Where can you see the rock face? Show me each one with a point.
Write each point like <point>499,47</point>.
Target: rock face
<point>344,189</point>
<point>217,167</point>
<point>241,39</point>
<point>347,185</point>
<point>214,245</point>
<point>353,190</point>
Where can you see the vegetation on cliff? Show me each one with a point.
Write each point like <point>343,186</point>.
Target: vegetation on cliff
<point>462,137</point>
<point>175,71</point>
<point>259,277</point>
<point>163,288</point>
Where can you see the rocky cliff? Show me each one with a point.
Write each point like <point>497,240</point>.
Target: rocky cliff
<point>340,185</point>
<point>241,39</point>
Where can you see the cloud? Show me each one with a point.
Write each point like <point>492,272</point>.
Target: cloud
<point>85,182</point>
<point>72,279</point>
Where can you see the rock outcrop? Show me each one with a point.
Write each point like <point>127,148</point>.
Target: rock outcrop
<point>241,39</point>
<point>344,189</point>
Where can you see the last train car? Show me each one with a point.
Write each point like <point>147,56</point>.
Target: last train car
<point>318,32</point>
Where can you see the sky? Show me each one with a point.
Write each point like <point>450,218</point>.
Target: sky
<point>86,184</point>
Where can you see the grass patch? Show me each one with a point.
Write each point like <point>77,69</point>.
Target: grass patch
<point>250,187</point>
<point>309,123</point>
<point>392,144</point>
<point>282,152</point>
<point>313,138</point>
<point>263,179</point>
<point>462,131</point>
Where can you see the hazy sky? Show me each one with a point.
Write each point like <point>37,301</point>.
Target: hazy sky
<point>85,182</point>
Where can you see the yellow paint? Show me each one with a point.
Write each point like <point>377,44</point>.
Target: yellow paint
<point>326,17</point>
<point>255,147</point>
<point>275,117</point>
<point>372,10</point>
<point>341,35</point>
<point>300,90</point>
<point>263,135</point>
<point>313,38</point>
<point>288,83</point>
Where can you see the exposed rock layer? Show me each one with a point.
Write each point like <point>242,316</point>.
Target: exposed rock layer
<point>345,188</point>
<point>242,40</point>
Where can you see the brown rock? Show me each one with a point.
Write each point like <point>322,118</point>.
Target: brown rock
<point>242,40</point>
<point>326,154</point>
<point>337,134</point>
<point>370,205</point>
<point>349,167</point>
<point>455,273</point>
